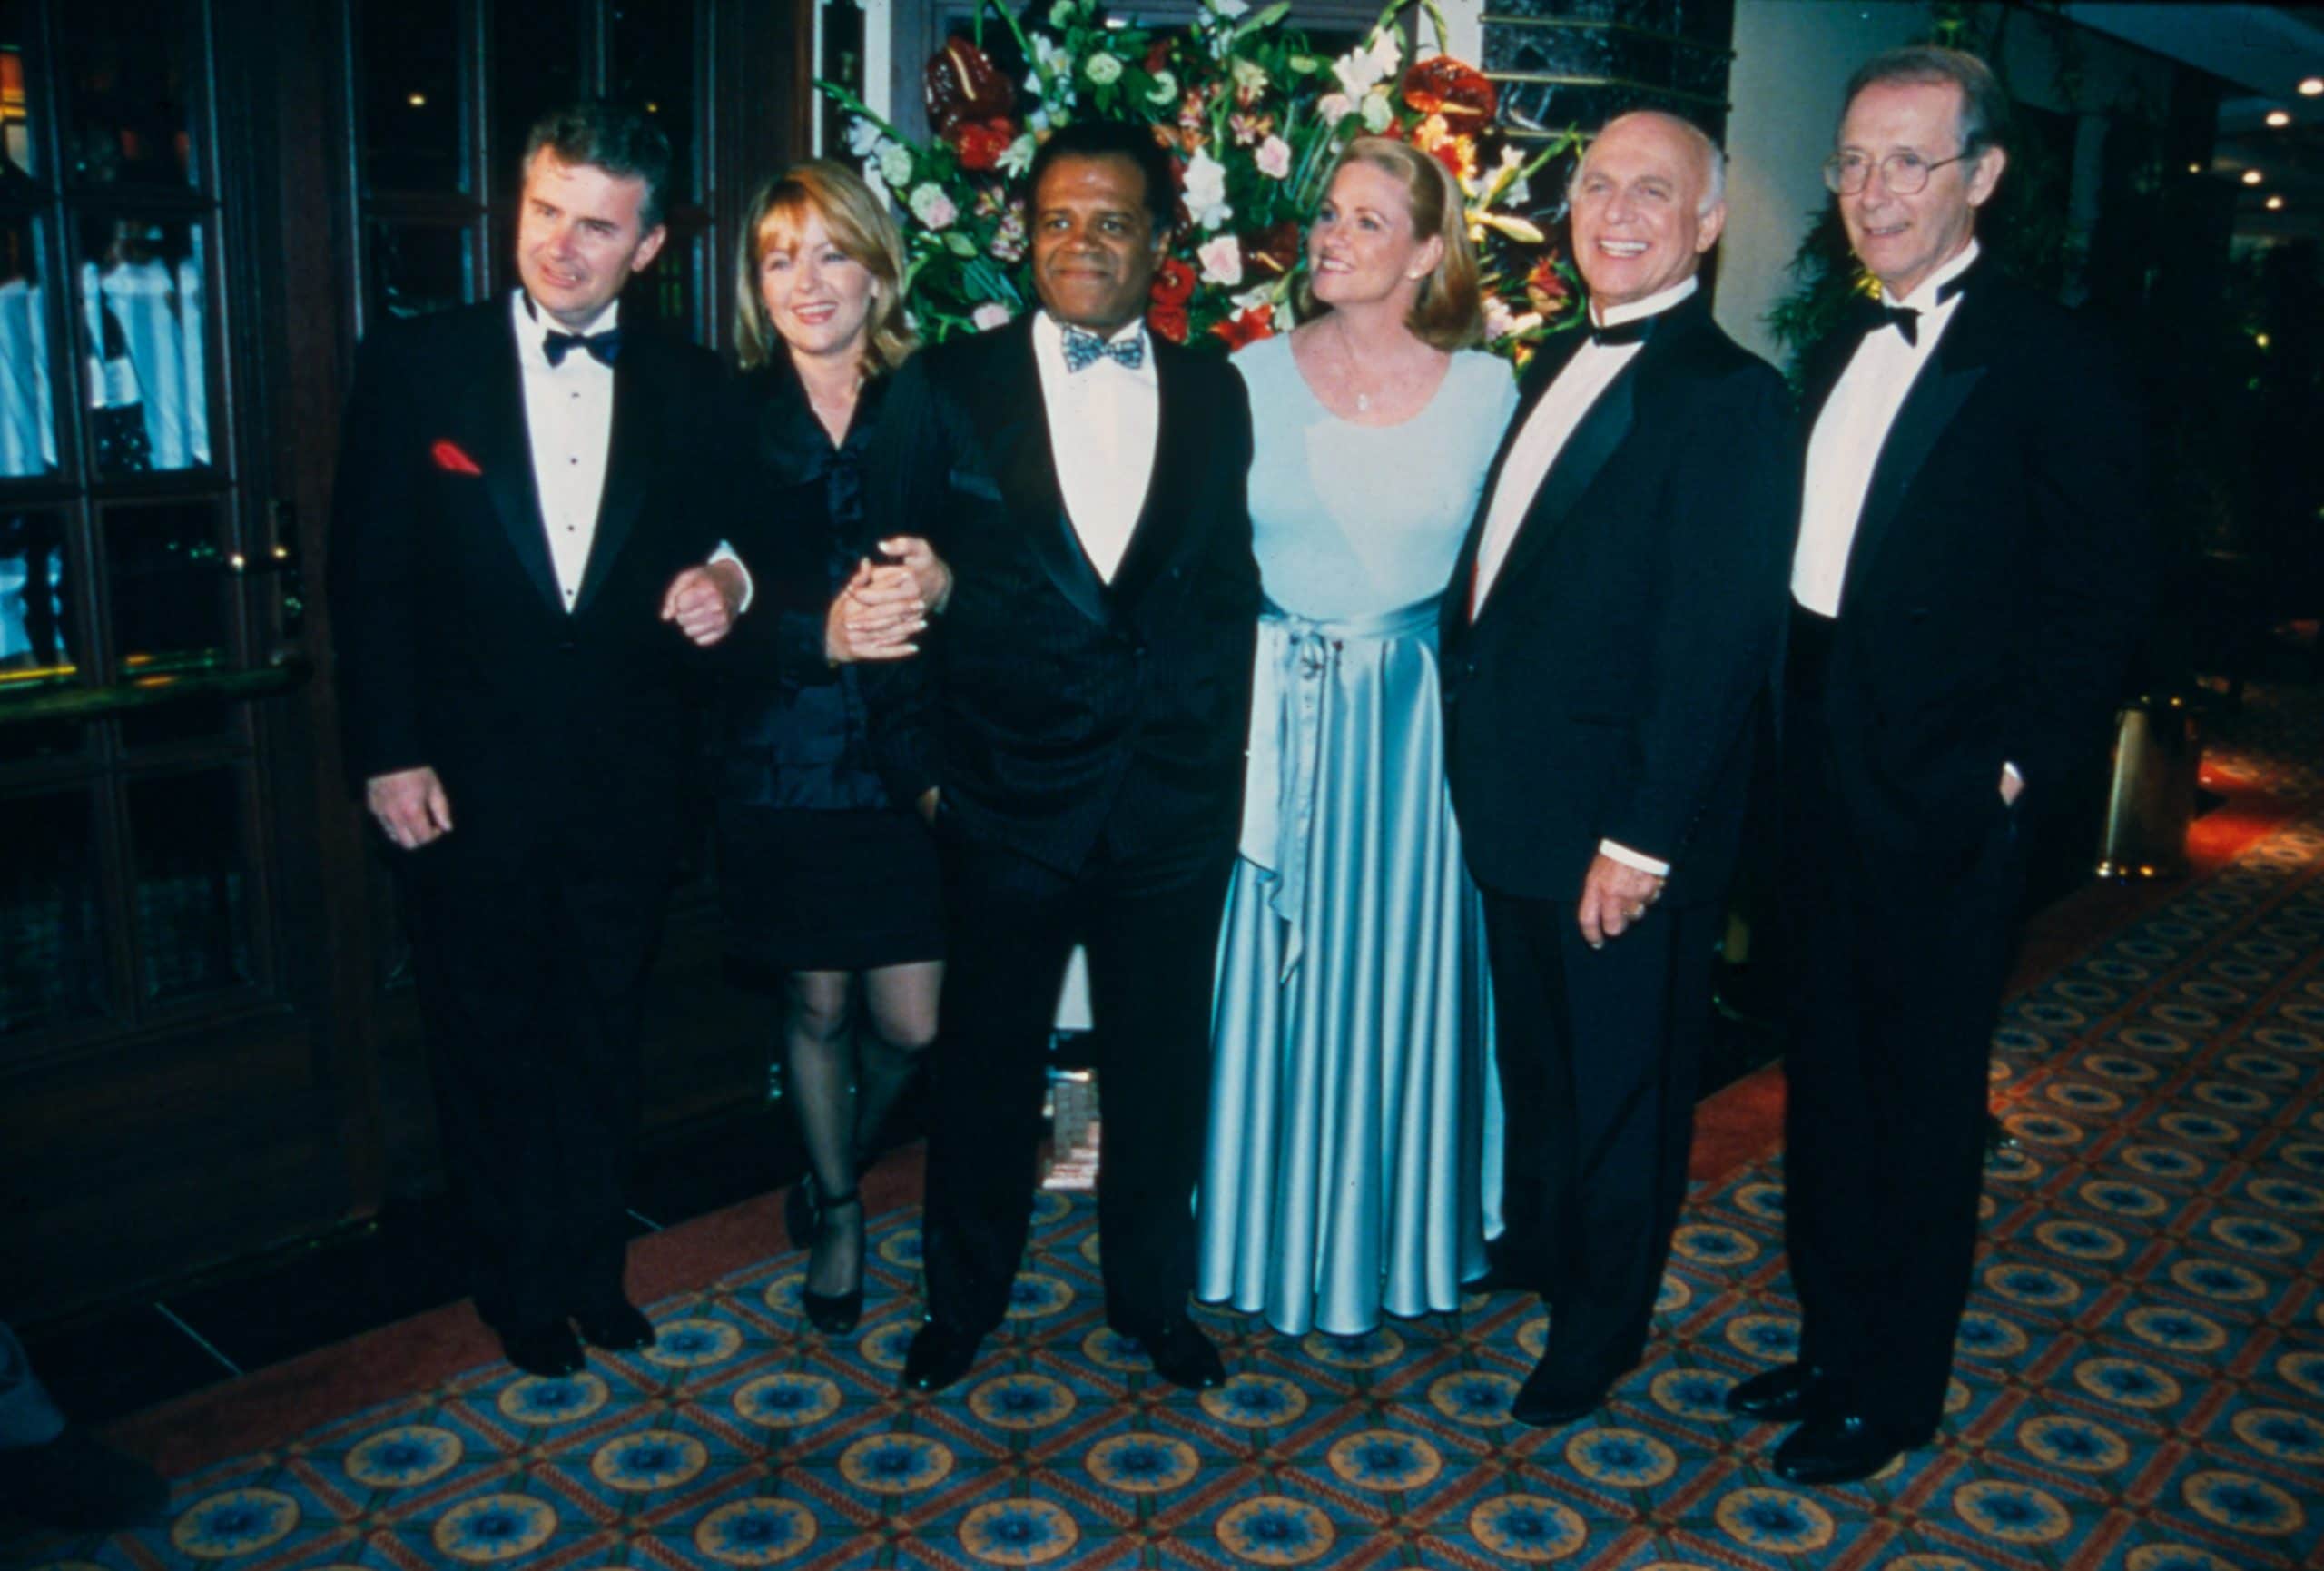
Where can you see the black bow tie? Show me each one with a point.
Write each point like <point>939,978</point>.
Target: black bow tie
<point>603,347</point>
<point>1635,331</point>
<point>1906,319</point>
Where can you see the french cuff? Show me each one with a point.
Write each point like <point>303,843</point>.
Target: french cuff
<point>2015,774</point>
<point>725,553</point>
<point>1630,858</point>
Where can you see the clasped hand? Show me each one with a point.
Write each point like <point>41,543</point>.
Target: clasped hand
<point>884,605</point>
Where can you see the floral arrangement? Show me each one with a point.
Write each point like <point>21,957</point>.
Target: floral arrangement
<point>1255,120</point>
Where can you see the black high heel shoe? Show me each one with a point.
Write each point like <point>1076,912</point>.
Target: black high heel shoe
<point>834,1314</point>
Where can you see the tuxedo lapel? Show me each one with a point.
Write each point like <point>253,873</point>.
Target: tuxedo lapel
<point>1586,453</point>
<point>629,459</point>
<point>1012,422</point>
<point>1944,385</point>
<point>1536,381</point>
<point>505,455</point>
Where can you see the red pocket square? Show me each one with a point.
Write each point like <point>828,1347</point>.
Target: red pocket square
<point>452,460</point>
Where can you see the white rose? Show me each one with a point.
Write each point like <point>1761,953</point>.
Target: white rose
<point>1102,69</point>
<point>990,315</point>
<point>1222,261</point>
<point>895,165</point>
<point>1206,192</point>
<point>933,207</point>
<point>1378,112</point>
<point>1274,158</point>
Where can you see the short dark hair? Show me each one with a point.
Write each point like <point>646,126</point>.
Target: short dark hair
<point>1116,139</point>
<point>614,137</point>
<point>1985,107</point>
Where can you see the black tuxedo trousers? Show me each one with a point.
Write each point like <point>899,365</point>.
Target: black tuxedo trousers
<point>1149,919</point>
<point>1896,974</point>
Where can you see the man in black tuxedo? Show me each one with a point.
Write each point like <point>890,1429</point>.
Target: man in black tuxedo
<point>513,524</point>
<point>1609,630</point>
<point>1076,728</point>
<point>1972,565</point>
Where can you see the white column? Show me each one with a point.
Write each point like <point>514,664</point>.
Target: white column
<point>878,54</point>
<point>1464,32</point>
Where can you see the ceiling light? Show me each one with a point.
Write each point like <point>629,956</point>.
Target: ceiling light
<point>417,101</point>
<point>2279,118</point>
<point>2194,169</point>
<point>2312,87</point>
<point>2275,205</point>
<point>2252,177</point>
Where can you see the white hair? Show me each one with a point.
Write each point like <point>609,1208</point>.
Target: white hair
<point>1714,157</point>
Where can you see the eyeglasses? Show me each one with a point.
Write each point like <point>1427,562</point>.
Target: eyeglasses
<point>1903,173</point>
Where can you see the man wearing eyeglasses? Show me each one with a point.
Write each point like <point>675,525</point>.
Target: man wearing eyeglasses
<point>1973,562</point>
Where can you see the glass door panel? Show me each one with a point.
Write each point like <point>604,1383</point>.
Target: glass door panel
<point>143,312</point>
<point>27,367</point>
<point>21,141</point>
<point>129,92</point>
<point>189,867</point>
<point>409,106</point>
<point>52,911</point>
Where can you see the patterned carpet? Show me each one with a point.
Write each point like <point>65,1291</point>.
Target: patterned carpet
<point>2141,1382</point>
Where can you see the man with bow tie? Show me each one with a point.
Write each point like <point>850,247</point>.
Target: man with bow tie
<point>1973,562</point>
<point>518,523</point>
<point>1075,729</point>
<point>1609,630</point>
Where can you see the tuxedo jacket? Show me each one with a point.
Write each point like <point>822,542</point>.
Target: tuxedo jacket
<point>1606,687</point>
<point>453,647</point>
<point>2001,567</point>
<point>1049,705</point>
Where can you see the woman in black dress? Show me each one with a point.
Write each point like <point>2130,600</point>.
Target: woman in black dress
<point>823,880</point>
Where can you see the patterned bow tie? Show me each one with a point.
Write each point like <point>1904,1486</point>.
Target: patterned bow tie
<point>1635,331</point>
<point>603,347</point>
<point>1084,349</point>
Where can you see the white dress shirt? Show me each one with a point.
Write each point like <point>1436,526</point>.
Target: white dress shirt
<point>1853,427</point>
<point>1579,386</point>
<point>1103,419</point>
<point>569,423</point>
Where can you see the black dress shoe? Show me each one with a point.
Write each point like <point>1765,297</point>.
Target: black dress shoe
<point>549,1351</point>
<point>1783,1394</point>
<point>1550,1397</point>
<point>1840,1449</point>
<point>77,1481</point>
<point>616,1327</point>
<point>1183,1355</point>
<point>939,1355</point>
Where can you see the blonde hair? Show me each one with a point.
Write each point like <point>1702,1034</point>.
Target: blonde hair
<point>1448,312</point>
<point>859,225</point>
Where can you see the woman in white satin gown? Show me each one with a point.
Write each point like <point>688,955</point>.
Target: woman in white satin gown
<point>1353,1146</point>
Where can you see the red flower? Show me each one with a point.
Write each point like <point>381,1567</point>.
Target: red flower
<point>1157,54</point>
<point>452,460</point>
<point>1273,251</point>
<point>1169,320</point>
<point>961,84</point>
<point>981,143</point>
<point>1253,325</point>
<point>1452,88</point>
<point>1174,285</point>
<point>1545,286</point>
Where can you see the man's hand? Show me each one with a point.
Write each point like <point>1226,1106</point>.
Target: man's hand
<point>411,805</point>
<point>1613,895</point>
<point>928,569</point>
<point>702,601</point>
<point>875,617</point>
<point>927,802</point>
<point>2012,786</point>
